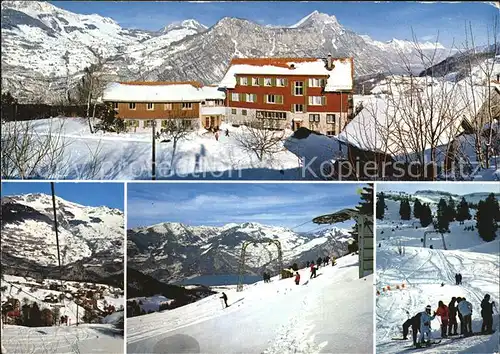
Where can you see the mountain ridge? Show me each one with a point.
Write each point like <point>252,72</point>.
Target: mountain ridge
<point>45,51</point>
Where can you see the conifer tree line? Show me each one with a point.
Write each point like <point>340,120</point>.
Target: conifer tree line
<point>487,215</point>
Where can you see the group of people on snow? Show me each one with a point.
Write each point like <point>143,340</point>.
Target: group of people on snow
<point>421,322</point>
<point>458,279</point>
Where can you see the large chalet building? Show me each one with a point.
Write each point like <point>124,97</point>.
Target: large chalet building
<point>299,92</point>
<point>142,103</point>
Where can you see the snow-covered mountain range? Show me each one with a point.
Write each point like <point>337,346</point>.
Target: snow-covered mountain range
<point>45,48</point>
<point>90,239</point>
<point>172,251</point>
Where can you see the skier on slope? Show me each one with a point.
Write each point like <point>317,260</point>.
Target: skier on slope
<point>414,322</point>
<point>487,315</point>
<point>297,278</point>
<point>224,296</point>
<point>425,326</point>
<point>443,312</point>
<point>465,309</point>
<point>319,261</point>
<point>452,314</point>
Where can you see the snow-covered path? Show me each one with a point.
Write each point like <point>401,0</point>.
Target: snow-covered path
<point>332,313</point>
<point>422,271</point>
<point>86,338</point>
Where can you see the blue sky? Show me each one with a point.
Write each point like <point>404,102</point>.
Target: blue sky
<point>381,20</point>
<point>88,194</point>
<point>216,204</point>
<point>453,187</point>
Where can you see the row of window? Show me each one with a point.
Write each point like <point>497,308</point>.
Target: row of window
<point>151,106</point>
<point>275,99</point>
<point>278,82</point>
<point>149,123</point>
<point>313,117</point>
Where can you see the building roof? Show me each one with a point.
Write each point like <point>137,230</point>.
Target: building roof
<point>389,125</point>
<point>156,91</point>
<point>340,78</point>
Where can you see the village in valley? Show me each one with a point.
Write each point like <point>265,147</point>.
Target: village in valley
<point>429,113</point>
<point>62,276</point>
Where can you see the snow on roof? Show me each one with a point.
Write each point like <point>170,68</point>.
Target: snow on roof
<point>340,78</point>
<point>387,124</point>
<point>189,91</point>
<point>213,93</point>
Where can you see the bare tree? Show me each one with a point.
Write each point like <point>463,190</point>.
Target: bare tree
<point>262,137</point>
<point>485,103</point>
<point>176,129</point>
<point>26,153</point>
<point>416,119</point>
<point>92,85</point>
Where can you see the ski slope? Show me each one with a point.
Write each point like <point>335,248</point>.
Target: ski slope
<point>424,270</point>
<point>331,313</point>
<point>86,338</point>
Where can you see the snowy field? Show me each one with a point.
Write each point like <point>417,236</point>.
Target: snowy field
<point>128,155</point>
<point>332,313</point>
<point>423,270</point>
<point>86,338</point>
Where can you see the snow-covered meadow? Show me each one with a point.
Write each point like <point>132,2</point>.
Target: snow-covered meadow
<point>128,156</point>
<point>331,313</point>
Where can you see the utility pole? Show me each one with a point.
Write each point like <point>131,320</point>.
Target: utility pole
<point>57,232</point>
<point>77,313</point>
<point>153,157</point>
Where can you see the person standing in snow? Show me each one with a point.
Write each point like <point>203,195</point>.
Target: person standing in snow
<point>227,132</point>
<point>414,322</point>
<point>224,297</point>
<point>307,264</point>
<point>452,314</point>
<point>456,278</point>
<point>313,270</point>
<point>487,315</point>
<point>443,312</point>
<point>425,325</point>
<point>319,261</point>
<point>460,317</point>
<point>465,309</point>
<point>297,278</point>
<point>459,278</point>
<point>217,135</point>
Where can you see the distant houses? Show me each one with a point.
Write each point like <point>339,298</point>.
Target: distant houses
<point>314,93</point>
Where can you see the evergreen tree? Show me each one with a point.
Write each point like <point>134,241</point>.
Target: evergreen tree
<point>451,210</point>
<point>487,212</point>
<point>405,209</point>
<point>35,316</point>
<point>425,215</point>
<point>109,121</point>
<point>353,247</point>
<point>365,207</point>
<point>417,208</point>
<point>380,208</point>
<point>443,221</point>
<point>463,213</point>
